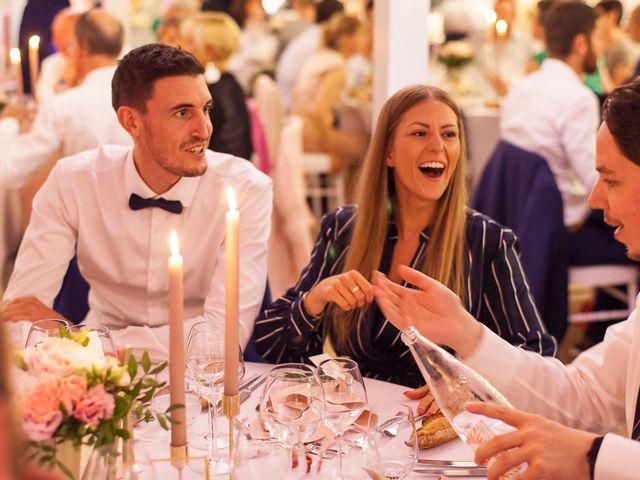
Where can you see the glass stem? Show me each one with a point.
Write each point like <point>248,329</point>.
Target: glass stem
<point>339,445</point>
<point>212,422</point>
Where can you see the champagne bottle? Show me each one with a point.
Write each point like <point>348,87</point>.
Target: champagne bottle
<point>453,384</point>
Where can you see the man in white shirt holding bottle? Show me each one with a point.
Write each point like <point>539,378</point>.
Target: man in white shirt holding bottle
<point>75,120</point>
<point>116,206</point>
<point>570,405</point>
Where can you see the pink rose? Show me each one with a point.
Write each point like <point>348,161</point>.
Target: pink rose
<point>71,391</point>
<point>41,414</point>
<point>95,406</point>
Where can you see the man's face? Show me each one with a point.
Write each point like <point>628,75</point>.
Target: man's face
<point>617,192</point>
<point>176,127</point>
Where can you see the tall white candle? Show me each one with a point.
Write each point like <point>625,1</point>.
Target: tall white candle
<point>34,62</point>
<point>16,61</point>
<point>176,342</point>
<point>231,336</point>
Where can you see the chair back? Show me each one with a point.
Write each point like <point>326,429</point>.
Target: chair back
<point>518,190</point>
<point>268,107</point>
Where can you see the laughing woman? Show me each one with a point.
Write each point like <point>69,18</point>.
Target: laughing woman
<point>411,211</point>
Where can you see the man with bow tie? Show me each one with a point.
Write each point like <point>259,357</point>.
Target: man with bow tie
<point>114,208</point>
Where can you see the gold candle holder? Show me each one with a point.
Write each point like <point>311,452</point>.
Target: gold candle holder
<point>128,454</point>
<point>179,456</point>
<point>231,409</point>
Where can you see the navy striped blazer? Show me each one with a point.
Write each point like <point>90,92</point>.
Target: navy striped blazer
<point>496,294</point>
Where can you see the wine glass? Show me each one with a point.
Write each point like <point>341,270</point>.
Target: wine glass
<point>392,426</point>
<point>98,332</point>
<point>205,373</point>
<point>42,329</point>
<point>292,404</point>
<point>345,396</point>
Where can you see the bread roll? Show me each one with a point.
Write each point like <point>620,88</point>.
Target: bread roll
<point>435,431</point>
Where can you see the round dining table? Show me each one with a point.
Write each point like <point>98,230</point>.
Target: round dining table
<point>152,442</point>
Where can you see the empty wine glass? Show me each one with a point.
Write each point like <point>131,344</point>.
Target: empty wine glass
<point>205,373</point>
<point>392,427</point>
<point>345,396</point>
<point>99,333</point>
<point>292,404</point>
<point>42,329</point>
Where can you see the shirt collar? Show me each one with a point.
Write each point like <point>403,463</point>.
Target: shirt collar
<point>558,67</point>
<point>184,190</point>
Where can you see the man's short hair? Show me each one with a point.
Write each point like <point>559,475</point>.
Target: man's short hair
<point>133,81</point>
<point>564,23</point>
<point>606,6</point>
<point>99,33</point>
<point>621,112</point>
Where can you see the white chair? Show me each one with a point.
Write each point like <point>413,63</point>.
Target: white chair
<point>606,277</point>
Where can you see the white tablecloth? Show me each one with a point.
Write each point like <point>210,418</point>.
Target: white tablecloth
<point>156,445</point>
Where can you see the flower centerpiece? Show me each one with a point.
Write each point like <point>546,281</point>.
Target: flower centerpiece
<point>455,55</point>
<point>71,395</point>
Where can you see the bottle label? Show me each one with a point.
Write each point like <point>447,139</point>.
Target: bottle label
<point>481,433</point>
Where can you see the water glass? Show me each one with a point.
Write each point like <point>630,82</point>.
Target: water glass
<point>42,329</point>
<point>391,426</point>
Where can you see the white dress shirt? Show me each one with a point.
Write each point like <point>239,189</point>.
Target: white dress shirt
<point>50,78</point>
<point>123,253</point>
<point>78,119</point>
<point>293,57</point>
<point>550,112</point>
<point>596,392</point>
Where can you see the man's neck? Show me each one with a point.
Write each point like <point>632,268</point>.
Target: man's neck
<point>97,61</point>
<point>154,176</point>
<point>574,63</point>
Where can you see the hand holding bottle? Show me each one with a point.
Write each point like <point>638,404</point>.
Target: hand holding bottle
<point>433,309</point>
<point>550,450</point>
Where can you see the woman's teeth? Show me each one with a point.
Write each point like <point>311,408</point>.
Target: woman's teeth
<point>432,169</point>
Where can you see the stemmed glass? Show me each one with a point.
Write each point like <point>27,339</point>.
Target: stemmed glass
<point>98,332</point>
<point>42,329</point>
<point>345,396</point>
<point>292,404</point>
<point>205,373</point>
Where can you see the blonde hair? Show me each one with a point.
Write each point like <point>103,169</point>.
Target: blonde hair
<point>214,32</point>
<point>337,26</point>
<point>444,259</point>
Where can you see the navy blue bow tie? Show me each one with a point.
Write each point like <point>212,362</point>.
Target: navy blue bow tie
<point>136,202</point>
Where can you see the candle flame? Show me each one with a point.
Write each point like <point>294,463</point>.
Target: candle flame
<point>490,17</point>
<point>34,42</point>
<point>501,27</point>
<point>174,244</point>
<point>14,54</point>
<point>231,199</point>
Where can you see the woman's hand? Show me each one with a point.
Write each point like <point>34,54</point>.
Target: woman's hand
<point>433,309</point>
<point>348,290</point>
<point>427,403</point>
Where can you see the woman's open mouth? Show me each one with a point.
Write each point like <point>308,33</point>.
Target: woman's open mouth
<point>432,169</point>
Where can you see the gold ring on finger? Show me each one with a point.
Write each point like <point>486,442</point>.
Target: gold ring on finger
<point>355,289</point>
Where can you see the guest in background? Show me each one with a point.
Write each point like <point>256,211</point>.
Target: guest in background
<point>410,210</point>
<point>80,118</point>
<point>57,72</point>
<point>319,87</point>
<point>618,51</point>
<point>167,25</point>
<point>504,55</point>
<point>115,206</point>
<point>258,45</point>
<point>300,49</point>
<point>213,37</point>
<point>304,17</point>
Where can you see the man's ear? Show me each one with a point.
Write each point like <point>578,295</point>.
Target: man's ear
<point>130,120</point>
<point>580,44</point>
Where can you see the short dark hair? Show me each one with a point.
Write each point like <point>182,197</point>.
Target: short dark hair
<point>621,112</point>
<point>326,9</point>
<point>607,6</point>
<point>563,23</point>
<point>132,83</point>
<point>99,33</point>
